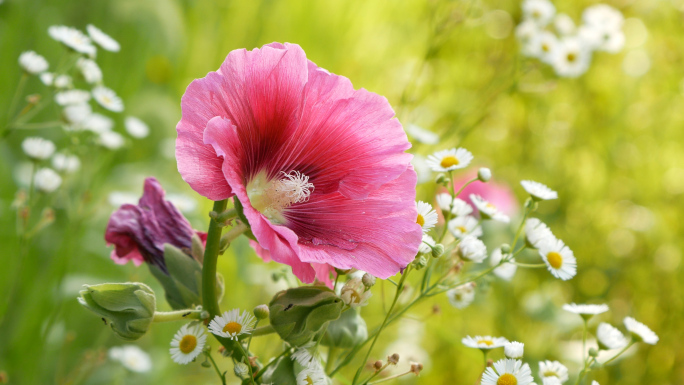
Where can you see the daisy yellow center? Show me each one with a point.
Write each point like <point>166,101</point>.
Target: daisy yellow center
<point>271,196</point>
<point>308,380</point>
<point>420,220</point>
<point>188,343</point>
<point>232,328</point>
<point>550,373</point>
<point>461,229</point>
<point>487,342</point>
<point>572,57</point>
<point>555,259</point>
<point>545,48</point>
<point>507,379</point>
<point>449,161</point>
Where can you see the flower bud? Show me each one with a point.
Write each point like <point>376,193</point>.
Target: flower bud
<point>441,179</point>
<point>393,359</point>
<point>299,313</point>
<point>261,312</point>
<point>484,174</point>
<point>438,250</point>
<point>241,369</point>
<point>378,365</point>
<point>129,307</point>
<point>347,331</point>
<point>531,204</point>
<point>368,280</point>
<point>505,249</point>
<point>206,364</point>
<point>593,352</point>
<point>416,368</point>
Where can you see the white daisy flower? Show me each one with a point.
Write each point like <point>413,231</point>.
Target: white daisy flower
<point>354,293</point>
<point>640,332</point>
<point>111,140</point>
<point>585,309</point>
<point>539,11</point>
<point>66,162</point>
<point>459,227</point>
<point>422,135</point>
<point>551,381</point>
<point>610,337</point>
<point>232,324</point>
<point>564,24</point>
<point>423,170</point>
<point>241,369</point>
<point>603,17</point>
<point>312,376</point>
<point>90,70</point>
<point>488,210</point>
<point>33,63</point>
<point>187,344</point>
<point>514,349</point>
<point>553,369</point>
<point>595,383</point>
<point>63,81</point>
<point>507,270</point>
<point>526,32</point>
<point>538,190</point>
<point>38,148</point>
<point>543,46</point>
<point>536,233</point>
<point>448,160</point>
<point>425,244</point>
<point>572,58</point>
<point>47,78</point>
<point>47,180</point>
<point>131,357</point>
<point>462,296</point>
<point>472,249</point>
<point>484,342</point>
<point>307,356</point>
<point>136,127</point>
<point>559,259</point>
<point>77,114</point>
<point>72,38</point>
<point>102,39</point>
<point>457,206</point>
<point>98,123</point>
<point>427,217</point>
<point>66,98</point>
<point>107,99</point>
<point>508,372</point>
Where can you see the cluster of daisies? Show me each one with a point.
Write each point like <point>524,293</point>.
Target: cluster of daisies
<point>512,370</point>
<point>556,40</point>
<point>466,229</point>
<point>66,85</point>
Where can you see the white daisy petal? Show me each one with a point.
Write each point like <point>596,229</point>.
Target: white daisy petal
<point>585,309</point>
<point>72,38</point>
<point>47,180</point>
<point>559,259</point>
<point>553,369</point>
<point>508,371</point>
<point>514,349</point>
<point>108,99</point>
<point>484,342</point>
<point>427,217</point>
<point>136,127</point>
<point>536,233</point>
<point>448,160</point>
<point>131,357</point>
<point>472,249</point>
<point>540,12</point>
<point>610,337</point>
<point>488,210</point>
<point>66,162</point>
<point>232,324</point>
<point>188,343</point>
<point>38,148</point>
<point>507,270</point>
<point>538,190</point>
<point>102,39</point>
<point>33,63</point>
<point>462,296</point>
<point>90,70</point>
<point>640,331</point>
<point>459,227</point>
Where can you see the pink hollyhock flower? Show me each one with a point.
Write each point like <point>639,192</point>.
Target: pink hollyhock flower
<point>498,194</point>
<point>319,167</point>
<point>139,232</point>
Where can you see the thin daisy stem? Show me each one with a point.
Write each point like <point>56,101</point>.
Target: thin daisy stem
<point>249,365</point>
<point>331,359</point>
<point>249,342</point>
<point>222,376</point>
<point>15,98</point>
<point>178,315</point>
<point>390,378</point>
<point>530,265</point>
<point>584,342</point>
<point>400,286</point>
<point>619,353</point>
<point>528,210</point>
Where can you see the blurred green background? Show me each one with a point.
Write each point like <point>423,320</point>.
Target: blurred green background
<point>610,142</point>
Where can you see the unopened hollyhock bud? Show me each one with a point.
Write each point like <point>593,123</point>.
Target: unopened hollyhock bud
<point>484,174</point>
<point>347,331</point>
<point>128,307</point>
<point>261,312</point>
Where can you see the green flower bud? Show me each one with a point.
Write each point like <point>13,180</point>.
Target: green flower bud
<point>419,263</point>
<point>261,312</point>
<point>441,179</point>
<point>347,331</point>
<point>368,280</point>
<point>129,307</point>
<point>593,352</point>
<point>297,314</point>
<point>438,250</point>
<point>484,174</point>
<point>241,369</point>
<point>505,249</point>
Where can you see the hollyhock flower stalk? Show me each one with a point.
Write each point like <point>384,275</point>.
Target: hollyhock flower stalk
<point>318,167</point>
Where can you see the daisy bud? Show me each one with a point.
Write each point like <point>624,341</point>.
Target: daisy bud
<point>368,280</point>
<point>241,369</point>
<point>593,352</point>
<point>378,365</point>
<point>531,204</point>
<point>419,263</point>
<point>206,364</point>
<point>393,359</point>
<point>438,250</point>
<point>416,367</point>
<point>261,312</point>
<point>129,307</point>
<point>514,349</point>
<point>505,248</point>
<point>442,179</point>
<point>484,174</point>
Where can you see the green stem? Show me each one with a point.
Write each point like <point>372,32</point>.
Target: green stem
<point>530,265</point>
<point>15,98</point>
<point>221,376</point>
<point>384,323</point>
<point>390,378</point>
<point>522,225</point>
<point>619,353</point>
<point>209,295</point>
<point>331,359</point>
<point>178,315</point>
<point>249,365</point>
<point>262,331</point>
